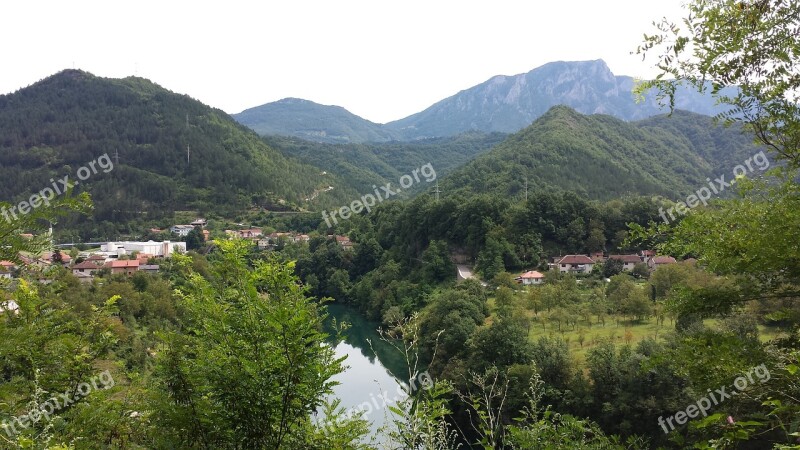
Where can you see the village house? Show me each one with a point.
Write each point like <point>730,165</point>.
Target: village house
<point>531,277</point>
<point>149,268</point>
<point>658,261</point>
<point>628,261</point>
<point>344,241</point>
<point>85,268</point>
<point>249,233</point>
<point>96,259</point>
<point>65,258</point>
<point>181,230</point>
<point>574,264</point>
<point>127,267</point>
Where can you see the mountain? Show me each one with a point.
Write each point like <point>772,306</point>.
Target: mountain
<point>314,122</point>
<point>602,157</point>
<point>58,125</point>
<point>368,164</point>
<point>509,103</point>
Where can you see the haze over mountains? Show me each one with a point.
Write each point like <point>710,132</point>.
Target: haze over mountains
<point>501,104</point>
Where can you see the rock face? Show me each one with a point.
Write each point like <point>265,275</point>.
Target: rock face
<point>510,103</point>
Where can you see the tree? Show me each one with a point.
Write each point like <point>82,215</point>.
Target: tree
<point>750,45</point>
<point>437,264</point>
<point>195,239</point>
<point>612,267</point>
<point>35,222</point>
<point>252,365</point>
<point>641,271</point>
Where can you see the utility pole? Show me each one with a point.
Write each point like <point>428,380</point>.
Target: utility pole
<point>437,191</point>
<point>187,153</point>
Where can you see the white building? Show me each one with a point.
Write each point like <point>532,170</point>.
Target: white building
<point>162,249</point>
<point>181,230</point>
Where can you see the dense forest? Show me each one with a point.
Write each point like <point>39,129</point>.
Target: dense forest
<point>58,125</point>
<point>602,157</point>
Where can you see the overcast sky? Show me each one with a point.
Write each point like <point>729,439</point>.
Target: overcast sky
<point>382,60</point>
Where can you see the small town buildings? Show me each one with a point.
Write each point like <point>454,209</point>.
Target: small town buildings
<point>199,222</point>
<point>127,267</point>
<point>181,230</point>
<point>344,242</point>
<point>658,261</point>
<point>531,277</point>
<point>248,233</point>
<point>96,259</point>
<point>149,268</point>
<point>86,268</point>
<point>628,261</point>
<point>163,249</point>
<point>574,264</point>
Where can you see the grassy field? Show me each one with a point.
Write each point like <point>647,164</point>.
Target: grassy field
<point>618,329</point>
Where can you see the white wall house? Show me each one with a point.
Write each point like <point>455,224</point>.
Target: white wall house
<point>162,249</point>
<point>575,264</point>
<point>181,230</point>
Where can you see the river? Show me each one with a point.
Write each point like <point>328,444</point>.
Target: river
<point>371,376</point>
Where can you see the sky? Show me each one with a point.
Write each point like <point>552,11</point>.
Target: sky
<point>380,59</point>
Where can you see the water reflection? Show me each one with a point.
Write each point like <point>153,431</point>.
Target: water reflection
<point>375,371</point>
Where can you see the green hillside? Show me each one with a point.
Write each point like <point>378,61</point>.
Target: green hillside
<point>377,163</point>
<point>314,122</point>
<point>602,157</point>
<point>59,124</point>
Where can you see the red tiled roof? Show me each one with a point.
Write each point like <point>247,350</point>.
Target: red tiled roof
<point>121,264</point>
<point>575,259</point>
<point>86,265</point>
<point>7,264</point>
<point>626,258</point>
<point>664,260</point>
<point>532,274</point>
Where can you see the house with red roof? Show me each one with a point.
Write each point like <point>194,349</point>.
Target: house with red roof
<point>658,261</point>
<point>128,267</point>
<point>531,277</point>
<point>574,264</point>
<point>84,268</point>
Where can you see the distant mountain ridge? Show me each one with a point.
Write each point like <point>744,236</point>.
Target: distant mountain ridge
<point>503,104</point>
<point>602,157</point>
<point>314,122</point>
<point>509,103</point>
